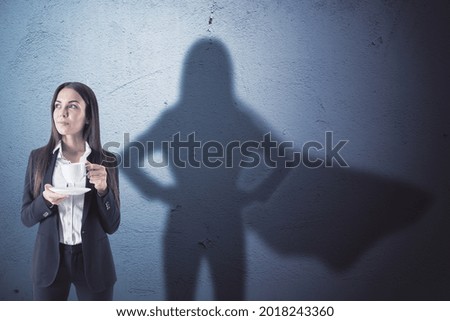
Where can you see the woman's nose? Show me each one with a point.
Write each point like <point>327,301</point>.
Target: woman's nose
<point>64,112</point>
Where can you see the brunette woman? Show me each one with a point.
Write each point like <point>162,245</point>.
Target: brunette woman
<point>74,218</point>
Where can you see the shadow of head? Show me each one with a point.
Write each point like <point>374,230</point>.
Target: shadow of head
<point>207,71</point>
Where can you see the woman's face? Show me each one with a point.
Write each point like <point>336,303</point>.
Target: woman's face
<point>69,114</point>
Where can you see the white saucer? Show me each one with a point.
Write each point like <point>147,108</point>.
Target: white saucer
<point>70,190</point>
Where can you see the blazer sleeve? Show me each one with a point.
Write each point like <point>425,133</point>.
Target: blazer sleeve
<point>34,210</point>
<point>109,208</point>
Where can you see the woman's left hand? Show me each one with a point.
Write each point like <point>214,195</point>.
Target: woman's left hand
<point>97,175</point>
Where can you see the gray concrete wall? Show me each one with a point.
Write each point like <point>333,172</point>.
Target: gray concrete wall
<point>373,72</point>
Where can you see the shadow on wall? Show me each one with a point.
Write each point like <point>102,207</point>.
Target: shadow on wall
<point>334,214</point>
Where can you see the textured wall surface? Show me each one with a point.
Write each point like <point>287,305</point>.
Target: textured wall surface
<point>375,73</point>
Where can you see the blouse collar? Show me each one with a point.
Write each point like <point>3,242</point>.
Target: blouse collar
<point>83,158</point>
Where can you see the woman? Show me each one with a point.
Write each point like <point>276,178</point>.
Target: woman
<point>72,246</point>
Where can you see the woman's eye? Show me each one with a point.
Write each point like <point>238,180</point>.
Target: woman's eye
<point>73,106</point>
<point>57,106</point>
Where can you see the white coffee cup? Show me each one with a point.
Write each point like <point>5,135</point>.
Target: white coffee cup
<point>73,172</point>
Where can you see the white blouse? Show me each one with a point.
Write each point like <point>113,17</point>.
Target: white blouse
<point>70,209</point>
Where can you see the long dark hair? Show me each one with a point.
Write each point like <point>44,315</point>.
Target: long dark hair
<point>91,134</point>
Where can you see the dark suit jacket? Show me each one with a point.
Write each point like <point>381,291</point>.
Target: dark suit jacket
<point>101,215</point>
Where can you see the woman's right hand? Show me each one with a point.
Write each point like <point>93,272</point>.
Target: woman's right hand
<point>52,197</point>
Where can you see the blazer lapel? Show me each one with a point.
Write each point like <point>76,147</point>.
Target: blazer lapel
<point>93,158</point>
<point>48,177</point>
